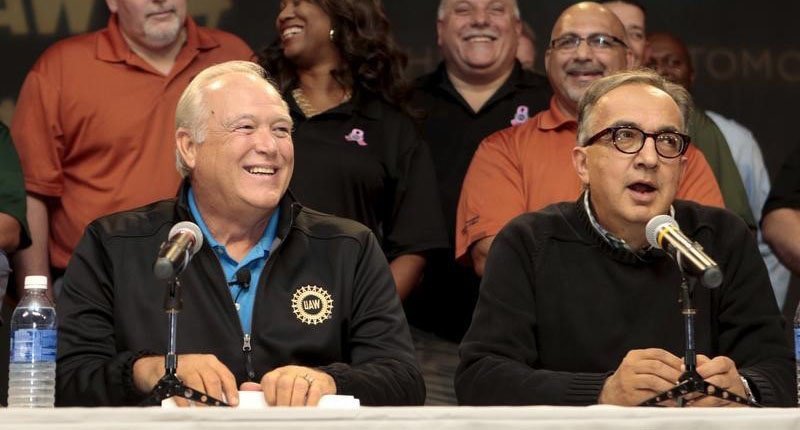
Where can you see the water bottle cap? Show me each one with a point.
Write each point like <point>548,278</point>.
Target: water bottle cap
<point>35,282</point>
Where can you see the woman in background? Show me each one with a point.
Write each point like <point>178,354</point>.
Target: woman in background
<point>357,152</point>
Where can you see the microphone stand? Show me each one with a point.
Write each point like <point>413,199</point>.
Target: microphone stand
<point>170,385</point>
<point>691,386</point>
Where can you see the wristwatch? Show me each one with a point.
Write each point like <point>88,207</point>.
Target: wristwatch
<point>747,391</point>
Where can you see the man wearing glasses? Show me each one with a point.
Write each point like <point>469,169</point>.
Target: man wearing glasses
<point>526,168</point>
<point>576,308</point>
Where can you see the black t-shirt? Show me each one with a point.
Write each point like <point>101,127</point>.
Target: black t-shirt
<point>453,132</point>
<point>785,192</point>
<point>366,161</point>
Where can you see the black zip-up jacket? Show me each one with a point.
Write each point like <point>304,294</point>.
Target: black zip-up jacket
<point>326,299</point>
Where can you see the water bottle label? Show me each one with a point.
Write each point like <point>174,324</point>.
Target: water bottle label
<point>797,345</point>
<point>33,345</point>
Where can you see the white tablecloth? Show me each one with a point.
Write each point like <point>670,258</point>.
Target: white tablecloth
<point>416,418</point>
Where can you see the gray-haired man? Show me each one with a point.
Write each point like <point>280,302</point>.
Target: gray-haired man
<point>319,314</point>
<point>576,308</point>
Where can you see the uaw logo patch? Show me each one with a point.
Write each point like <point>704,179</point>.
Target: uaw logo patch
<point>312,305</point>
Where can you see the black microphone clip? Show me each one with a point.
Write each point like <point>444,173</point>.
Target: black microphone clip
<point>242,279</point>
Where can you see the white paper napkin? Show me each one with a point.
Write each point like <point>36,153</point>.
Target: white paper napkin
<point>256,400</point>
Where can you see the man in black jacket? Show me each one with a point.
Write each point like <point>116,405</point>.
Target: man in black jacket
<point>576,308</point>
<point>319,314</point>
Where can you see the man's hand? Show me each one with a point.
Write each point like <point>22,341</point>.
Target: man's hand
<point>202,372</point>
<point>479,251</point>
<point>722,372</point>
<point>295,386</point>
<point>642,374</point>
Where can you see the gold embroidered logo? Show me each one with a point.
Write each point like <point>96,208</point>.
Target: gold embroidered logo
<point>312,304</point>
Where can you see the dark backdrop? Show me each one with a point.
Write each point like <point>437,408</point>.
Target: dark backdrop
<point>747,58</point>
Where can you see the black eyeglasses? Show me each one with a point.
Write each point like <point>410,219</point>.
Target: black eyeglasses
<point>630,140</point>
<point>597,41</point>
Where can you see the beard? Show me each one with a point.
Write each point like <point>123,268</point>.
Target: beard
<point>574,93</point>
<point>161,34</point>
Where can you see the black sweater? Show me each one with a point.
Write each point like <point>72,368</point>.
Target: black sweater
<point>559,308</point>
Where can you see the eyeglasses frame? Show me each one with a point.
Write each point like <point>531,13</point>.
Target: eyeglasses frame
<point>615,129</point>
<point>618,42</point>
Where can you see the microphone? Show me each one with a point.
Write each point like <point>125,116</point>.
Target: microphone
<point>243,281</point>
<point>242,278</point>
<point>664,233</point>
<point>185,239</point>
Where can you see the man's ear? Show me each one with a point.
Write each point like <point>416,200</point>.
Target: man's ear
<point>630,59</point>
<point>547,62</point>
<point>439,30</point>
<point>186,146</point>
<point>580,160</point>
<point>684,161</point>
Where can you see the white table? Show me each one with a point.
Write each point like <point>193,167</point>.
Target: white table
<point>416,418</point>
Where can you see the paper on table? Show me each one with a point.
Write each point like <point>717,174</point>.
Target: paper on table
<point>335,401</point>
<point>255,400</point>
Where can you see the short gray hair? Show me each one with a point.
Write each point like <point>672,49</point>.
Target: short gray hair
<point>192,113</point>
<point>603,86</point>
<point>442,3</point>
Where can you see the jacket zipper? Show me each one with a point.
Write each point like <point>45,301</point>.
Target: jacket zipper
<point>248,361</point>
<point>246,347</point>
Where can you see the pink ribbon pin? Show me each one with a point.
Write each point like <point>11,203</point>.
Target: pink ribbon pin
<point>357,136</point>
<point>521,116</point>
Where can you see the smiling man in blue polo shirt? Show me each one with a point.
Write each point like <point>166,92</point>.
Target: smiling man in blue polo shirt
<point>320,314</point>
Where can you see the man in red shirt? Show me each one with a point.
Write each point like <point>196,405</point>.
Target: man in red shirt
<point>93,124</point>
<point>526,168</point>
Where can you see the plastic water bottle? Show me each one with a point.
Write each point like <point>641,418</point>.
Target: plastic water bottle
<point>32,362</point>
<point>797,349</point>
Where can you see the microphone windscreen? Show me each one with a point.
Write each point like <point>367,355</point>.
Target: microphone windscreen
<point>191,227</point>
<point>655,225</point>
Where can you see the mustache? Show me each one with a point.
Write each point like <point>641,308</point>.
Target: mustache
<point>158,11</point>
<point>585,68</point>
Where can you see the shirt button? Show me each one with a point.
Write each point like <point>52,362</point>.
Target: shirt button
<point>238,307</point>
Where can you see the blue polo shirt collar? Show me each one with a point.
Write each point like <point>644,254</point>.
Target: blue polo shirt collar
<point>255,260</point>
